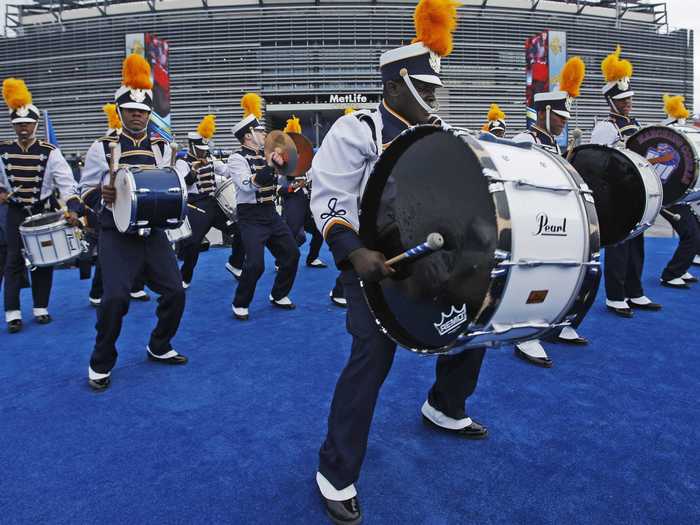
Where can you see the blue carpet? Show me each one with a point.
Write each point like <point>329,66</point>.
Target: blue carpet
<point>609,435</point>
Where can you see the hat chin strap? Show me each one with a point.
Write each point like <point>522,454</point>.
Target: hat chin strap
<point>255,137</point>
<point>548,119</point>
<point>422,103</point>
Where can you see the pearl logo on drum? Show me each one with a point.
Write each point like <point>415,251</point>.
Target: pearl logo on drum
<point>452,320</point>
<point>547,227</point>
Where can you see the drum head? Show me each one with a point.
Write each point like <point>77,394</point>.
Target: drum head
<point>430,180</point>
<point>44,219</point>
<point>673,158</point>
<point>123,205</point>
<point>620,196</point>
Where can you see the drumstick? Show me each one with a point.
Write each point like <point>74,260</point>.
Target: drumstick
<point>433,243</point>
<point>575,141</point>
<point>173,153</point>
<point>670,215</point>
<point>110,164</point>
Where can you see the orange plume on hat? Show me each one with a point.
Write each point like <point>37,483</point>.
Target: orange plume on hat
<point>293,125</point>
<point>348,111</point>
<point>136,73</point>
<point>495,113</point>
<point>675,107</point>
<point>615,69</point>
<point>15,93</point>
<point>435,21</point>
<point>571,76</point>
<point>207,127</point>
<point>114,122</point>
<point>252,105</point>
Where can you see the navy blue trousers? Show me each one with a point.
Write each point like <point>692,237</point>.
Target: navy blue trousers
<point>16,270</point>
<point>261,225</point>
<point>237,256</point>
<point>688,232</point>
<point>203,214</point>
<point>296,211</point>
<point>624,264</point>
<point>123,258</point>
<point>356,392</point>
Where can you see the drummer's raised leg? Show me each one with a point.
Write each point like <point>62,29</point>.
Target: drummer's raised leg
<point>200,222</point>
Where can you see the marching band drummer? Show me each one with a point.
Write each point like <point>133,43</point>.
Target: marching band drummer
<point>685,224</point>
<point>495,122</point>
<point>624,262</point>
<point>30,170</point>
<point>198,169</point>
<point>552,115</point>
<point>124,256</point>
<point>260,224</point>
<point>340,169</point>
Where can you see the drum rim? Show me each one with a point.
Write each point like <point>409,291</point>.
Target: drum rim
<point>57,225</point>
<point>493,295</point>
<point>130,227</point>
<point>694,187</point>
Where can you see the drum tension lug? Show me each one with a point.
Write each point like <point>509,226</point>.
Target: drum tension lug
<point>143,190</point>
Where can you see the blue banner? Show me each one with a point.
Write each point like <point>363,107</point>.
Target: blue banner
<point>50,132</point>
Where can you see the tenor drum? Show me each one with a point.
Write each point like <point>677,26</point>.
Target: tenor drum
<point>521,240</point>
<point>180,233</point>
<point>674,154</point>
<point>225,195</point>
<point>49,240</point>
<point>628,193</point>
<point>149,198</point>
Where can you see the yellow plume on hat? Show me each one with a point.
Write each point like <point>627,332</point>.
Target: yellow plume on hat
<point>615,69</point>
<point>252,105</point>
<point>435,21</point>
<point>112,116</point>
<point>495,113</point>
<point>15,93</point>
<point>348,111</point>
<point>207,127</point>
<point>136,73</point>
<point>293,125</point>
<point>675,107</point>
<point>572,75</point>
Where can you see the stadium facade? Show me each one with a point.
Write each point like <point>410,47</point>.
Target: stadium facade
<point>315,58</point>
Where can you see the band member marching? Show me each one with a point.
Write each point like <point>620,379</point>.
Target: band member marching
<point>495,122</point>
<point>260,224</point>
<point>680,216</point>
<point>340,169</point>
<point>30,171</point>
<point>296,210</point>
<point>624,262</point>
<point>123,257</point>
<point>198,169</point>
<point>93,205</point>
<point>553,112</point>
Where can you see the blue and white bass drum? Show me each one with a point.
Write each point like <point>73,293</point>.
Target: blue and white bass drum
<point>149,198</point>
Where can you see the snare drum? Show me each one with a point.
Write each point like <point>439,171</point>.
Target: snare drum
<point>521,240</point>
<point>149,198</point>
<point>225,195</point>
<point>180,233</point>
<point>674,153</point>
<point>49,240</point>
<point>628,193</point>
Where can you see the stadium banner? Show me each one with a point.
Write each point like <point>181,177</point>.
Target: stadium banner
<point>545,56</point>
<point>155,50</point>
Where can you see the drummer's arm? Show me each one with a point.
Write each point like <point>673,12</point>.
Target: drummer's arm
<point>337,171</point>
<point>239,170</point>
<point>4,183</point>
<point>185,172</point>
<point>93,172</point>
<point>604,133</point>
<point>219,168</point>
<point>62,178</point>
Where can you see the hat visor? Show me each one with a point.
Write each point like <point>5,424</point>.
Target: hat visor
<point>428,79</point>
<point>561,113</point>
<point>22,120</point>
<point>624,94</point>
<point>204,147</point>
<point>259,128</point>
<point>136,105</point>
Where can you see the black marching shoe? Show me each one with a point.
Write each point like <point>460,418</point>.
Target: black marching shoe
<point>284,303</point>
<point>689,278</point>
<point>622,312</point>
<point>14,326</point>
<point>178,359</point>
<point>544,362</point>
<point>343,512</point>
<point>648,306</point>
<point>316,263</point>
<point>100,384</point>
<point>675,283</point>
<point>473,431</point>
<point>43,319</point>
<point>578,341</point>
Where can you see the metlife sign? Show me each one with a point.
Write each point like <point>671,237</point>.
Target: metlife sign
<point>353,98</point>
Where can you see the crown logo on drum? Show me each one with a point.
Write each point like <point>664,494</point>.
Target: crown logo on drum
<point>452,320</point>
<point>434,62</point>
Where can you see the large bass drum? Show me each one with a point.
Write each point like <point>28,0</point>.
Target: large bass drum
<point>628,193</point>
<point>673,152</point>
<point>521,240</point>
